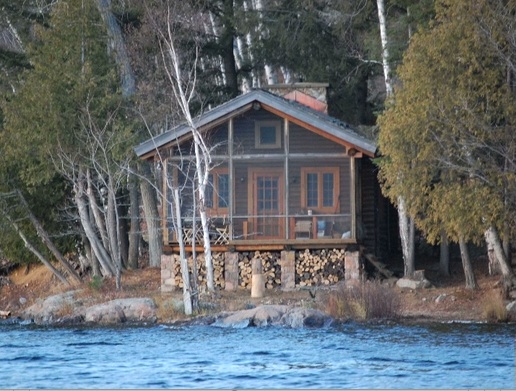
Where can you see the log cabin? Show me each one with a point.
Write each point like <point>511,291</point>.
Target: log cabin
<point>286,176</point>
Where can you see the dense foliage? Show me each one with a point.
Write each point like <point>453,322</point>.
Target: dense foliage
<point>68,124</point>
<point>448,135</point>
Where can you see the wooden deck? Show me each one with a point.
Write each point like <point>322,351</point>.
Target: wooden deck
<point>270,245</point>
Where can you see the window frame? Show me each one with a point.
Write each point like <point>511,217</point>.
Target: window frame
<point>320,171</point>
<point>257,134</point>
<point>215,209</point>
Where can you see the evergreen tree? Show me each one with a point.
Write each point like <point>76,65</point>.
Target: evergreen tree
<point>64,124</point>
<point>446,137</point>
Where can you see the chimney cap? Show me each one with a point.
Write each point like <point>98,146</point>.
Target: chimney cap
<point>297,85</point>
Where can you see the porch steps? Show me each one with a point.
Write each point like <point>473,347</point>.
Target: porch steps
<point>381,267</point>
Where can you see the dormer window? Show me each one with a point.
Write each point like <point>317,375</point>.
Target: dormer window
<point>267,134</point>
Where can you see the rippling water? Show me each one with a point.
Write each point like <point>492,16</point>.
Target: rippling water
<point>347,356</point>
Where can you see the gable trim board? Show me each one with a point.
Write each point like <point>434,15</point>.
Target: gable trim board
<point>313,120</point>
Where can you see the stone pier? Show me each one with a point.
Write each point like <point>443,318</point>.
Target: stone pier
<point>353,266</point>
<point>231,270</point>
<point>288,270</point>
<point>167,273</point>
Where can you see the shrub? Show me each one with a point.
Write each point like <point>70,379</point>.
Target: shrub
<point>96,283</point>
<point>365,301</point>
<point>493,307</point>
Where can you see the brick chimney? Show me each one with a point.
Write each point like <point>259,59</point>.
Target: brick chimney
<point>312,95</point>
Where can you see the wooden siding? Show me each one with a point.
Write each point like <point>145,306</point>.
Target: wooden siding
<point>244,138</point>
<point>303,148</point>
<point>303,140</point>
<point>379,217</point>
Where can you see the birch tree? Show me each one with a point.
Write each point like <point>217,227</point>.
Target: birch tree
<point>183,85</point>
<point>406,223</point>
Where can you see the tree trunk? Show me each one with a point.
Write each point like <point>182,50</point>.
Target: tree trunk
<point>134,230</point>
<point>385,47</point>
<point>187,292</point>
<point>183,94</point>
<point>444,259</point>
<point>33,250</point>
<point>194,282</point>
<point>97,246</point>
<point>406,224</point>
<point>117,47</point>
<point>95,209</point>
<point>494,242</point>
<point>152,218</point>
<point>471,282</point>
<point>47,241</point>
<point>407,232</point>
<point>227,44</point>
<point>113,232</point>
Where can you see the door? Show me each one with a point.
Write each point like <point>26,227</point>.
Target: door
<point>267,204</point>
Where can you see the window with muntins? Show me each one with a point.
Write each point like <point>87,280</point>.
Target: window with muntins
<point>320,189</point>
<point>217,191</point>
<point>267,134</point>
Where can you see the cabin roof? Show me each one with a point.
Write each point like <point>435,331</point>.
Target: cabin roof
<point>304,114</point>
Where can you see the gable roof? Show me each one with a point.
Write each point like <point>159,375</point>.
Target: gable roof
<point>304,116</point>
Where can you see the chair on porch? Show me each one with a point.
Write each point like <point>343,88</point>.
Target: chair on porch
<point>303,229</point>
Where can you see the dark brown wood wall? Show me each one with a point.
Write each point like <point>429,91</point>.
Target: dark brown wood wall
<point>378,214</point>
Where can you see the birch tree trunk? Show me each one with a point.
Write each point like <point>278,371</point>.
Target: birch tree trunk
<point>33,250</point>
<point>95,209</point>
<point>187,291</point>
<point>385,48</point>
<point>47,241</point>
<point>406,224</point>
<point>183,93</point>
<point>269,72</point>
<point>471,282</point>
<point>494,242</point>
<point>97,246</point>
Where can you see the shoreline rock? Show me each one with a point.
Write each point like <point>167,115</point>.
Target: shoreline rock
<point>67,309</point>
<point>275,315</point>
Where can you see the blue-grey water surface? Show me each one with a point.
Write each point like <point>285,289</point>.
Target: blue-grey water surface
<point>347,356</point>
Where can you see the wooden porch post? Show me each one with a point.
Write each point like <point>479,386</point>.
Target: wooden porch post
<point>164,204</point>
<point>231,177</point>
<point>353,176</point>
<point>287,181</point>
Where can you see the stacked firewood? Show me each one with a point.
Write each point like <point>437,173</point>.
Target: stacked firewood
<point>270,265</point>
<point>218,270</point>
<point>319,267</point>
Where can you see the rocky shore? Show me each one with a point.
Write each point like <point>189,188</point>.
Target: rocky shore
<point>69,308</point>
<point>35,297</point>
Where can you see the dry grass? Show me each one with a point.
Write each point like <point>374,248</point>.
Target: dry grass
<point>365,301</point>
<point>493,307</point>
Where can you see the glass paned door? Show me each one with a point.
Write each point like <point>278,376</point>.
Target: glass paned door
<point>268,204</point>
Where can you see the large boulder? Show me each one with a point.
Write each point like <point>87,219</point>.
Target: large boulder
<point>416,281</point>
<point>106,313</point>
<point>52,308</point>
<point>122,310</point>
<point>260,316</point>
<point>306,317</point>
<point>267,315</point>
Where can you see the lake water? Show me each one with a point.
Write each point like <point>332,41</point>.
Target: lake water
<point>346,356</point>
